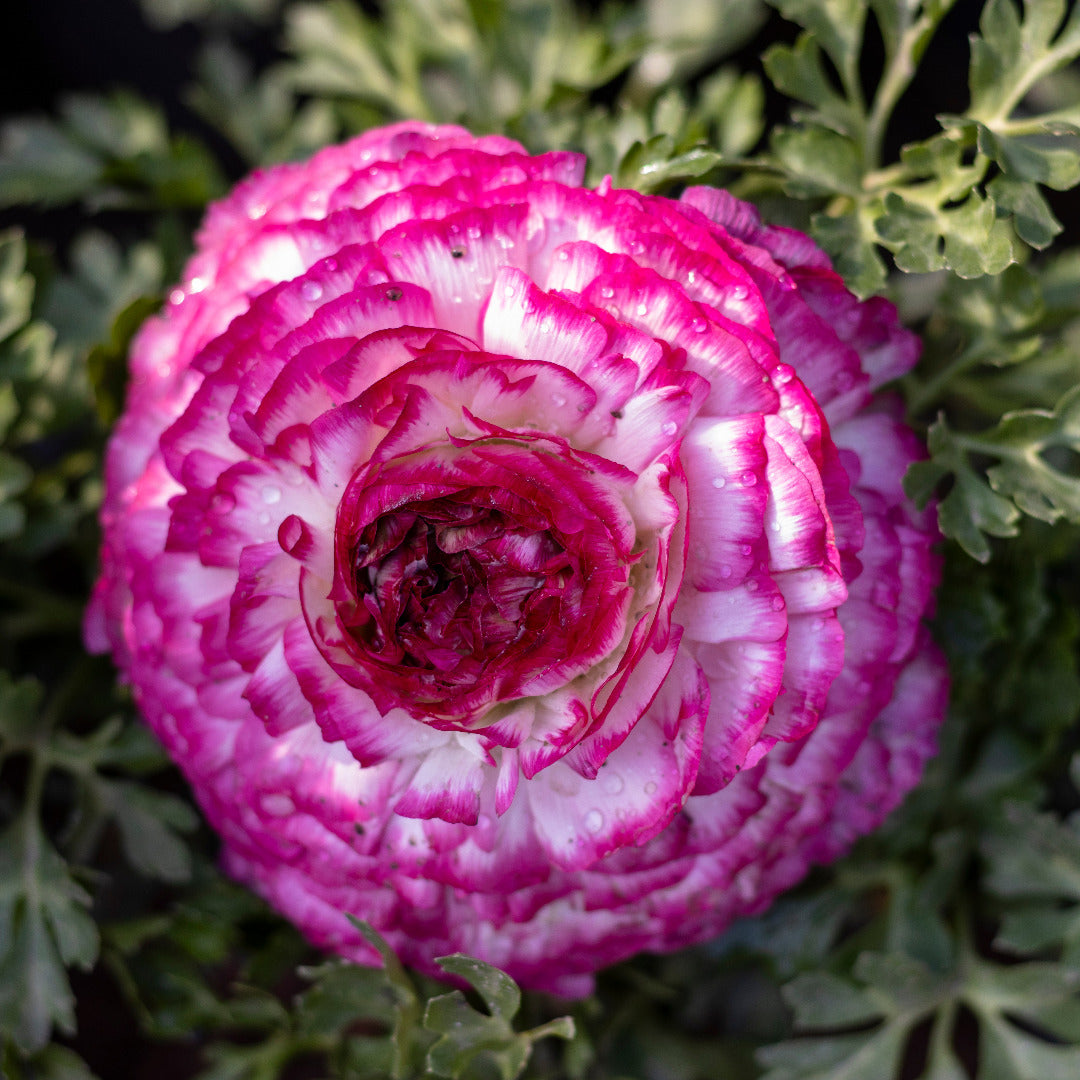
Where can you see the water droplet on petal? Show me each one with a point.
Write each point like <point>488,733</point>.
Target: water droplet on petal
<point>607,292</point>
<point>725,571</point>
<point>748,478</point>
<point>698,325</point>
<point>753,585</point>
<point>271,494</point>
<point>650,787</point>
<point>311,290</point>
<point>778,603</point>
<point>558,400</point>
<point>612,781</point>
<point>177,296</point>
<point>594,821</point>
<point>642,309</point>
<point>719,482</point>
<point>278,805</point>
<point>669,427</point>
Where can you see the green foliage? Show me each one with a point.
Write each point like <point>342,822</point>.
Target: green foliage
<point>112,152</point>
<point>966,199</point>
<point>948,946</point>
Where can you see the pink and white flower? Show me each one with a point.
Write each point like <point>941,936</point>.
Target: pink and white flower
<point>520,567</point>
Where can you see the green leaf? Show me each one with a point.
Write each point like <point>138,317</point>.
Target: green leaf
<point>1011,52</point>
<point>148,822</point>
<point>20,710</point>
<point>854,253</point>
<point>107,152</point>
<point>467,1037</point>
<point>44,928</point>
<point>104,280</point>
<point>55,1062</point>
<point>40,162</point>
<point>818,161</point>
<point>971,509</point>
<point>655,164</point>
<point>836,24</point>
<point>799,71</point>
<point>106,364</point>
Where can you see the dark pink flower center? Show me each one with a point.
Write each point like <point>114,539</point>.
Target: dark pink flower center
<point>473,575</point>
<point>446,584</point>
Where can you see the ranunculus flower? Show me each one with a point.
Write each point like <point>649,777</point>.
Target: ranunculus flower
<point>519,567</point>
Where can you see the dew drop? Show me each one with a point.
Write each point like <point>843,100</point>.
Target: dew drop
<point>607,292</point>
<point>278,805</point>
<point>264,518</point>
<point>613,782</point>
<point>330,264</point>
<point>558,400</point>
<point>719,482</point>
<point>650,787</point>
<point>782,374</point>
<point>311,290</point>
<point>271,494</point>
<point>642,309</point>
<point>222,503</point>
<point>818,624</point>
<point>669,427</point>
<point>196,285</point>
<point>748,478</point>
<point>725,571</point>
<point>778,603</point>
<point>775,524</point>
<point>739,292</point>
<point>564,255</point>
<point>698,325</point>
<point>176,296</point>
<point>594,821</point>
<point>746,549</point>
<point>753,585</point>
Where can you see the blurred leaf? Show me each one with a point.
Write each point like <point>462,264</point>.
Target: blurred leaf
<point>44,928</point>
<point>106,152</point>
<point>148,822</point>
<point>166,14</point>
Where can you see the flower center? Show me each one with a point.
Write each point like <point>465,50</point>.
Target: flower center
<point>446,584</point>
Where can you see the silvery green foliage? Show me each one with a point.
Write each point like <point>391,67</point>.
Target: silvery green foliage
<point>947,946</point>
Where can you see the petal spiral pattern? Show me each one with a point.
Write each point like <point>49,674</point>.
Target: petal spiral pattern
<point>520,567</point>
